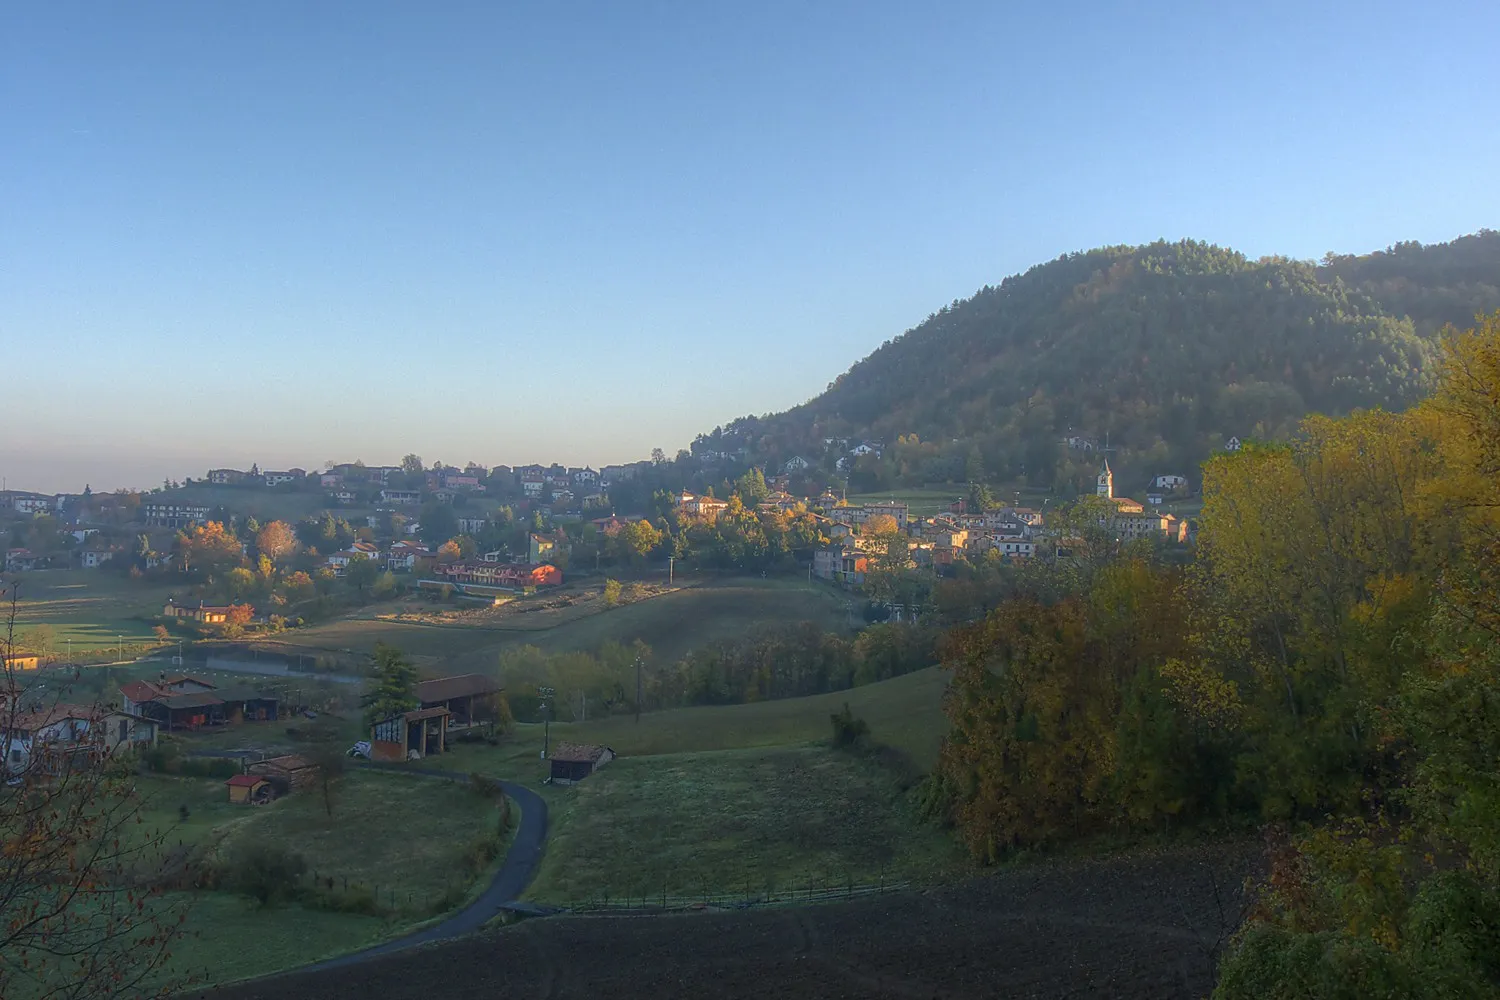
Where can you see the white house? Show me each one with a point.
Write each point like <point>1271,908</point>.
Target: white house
<point>796,464</point>
<point>277,478</point>
<point>1169,482</point>
<point>32,505</point>
<point>864,448</point>
<point>66,733</point>
<point>94,558</point>
<point>1233,444</point>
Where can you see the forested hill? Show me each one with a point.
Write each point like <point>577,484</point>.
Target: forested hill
<point>1168,349</point>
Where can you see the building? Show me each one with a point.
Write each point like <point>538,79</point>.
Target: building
<point>410,735</point>
<point>52,739</point>
<point>478,577</point>
<point>539,548</point>
<point>174,515</point>
<point>288,772</point>
<point>208,614</point>
<point>289,476</point>
<point>1233,444</point>
<point>249,789</point>
<point>184,702</point>
<point>472,525</point>
<point>226,477</point>
<point>708,508</point>
<point>32,504</point>
<point>796,464</point>
<point>572,762</point>
<point>11,662</point>
<point>841,563</point>
<point>403,497</point>
<point>94,558</point>
<point>469,698</point>
<point>1169,482</point>
<point>1105,485</point>
<point>459,481</point>
<point>21,560</point>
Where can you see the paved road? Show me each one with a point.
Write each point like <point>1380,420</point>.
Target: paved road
<point>515,874</point>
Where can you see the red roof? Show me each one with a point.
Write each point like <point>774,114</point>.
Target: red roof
<point>245,780</point>
<point>139,691</point>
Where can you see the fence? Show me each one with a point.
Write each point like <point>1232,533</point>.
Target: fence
<point>812,891</point>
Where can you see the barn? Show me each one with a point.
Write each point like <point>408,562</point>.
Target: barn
<point>572,762</point>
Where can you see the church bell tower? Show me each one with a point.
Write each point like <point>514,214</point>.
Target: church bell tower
<point>1106,487</point>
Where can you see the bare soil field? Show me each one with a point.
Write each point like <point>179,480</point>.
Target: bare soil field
<point>1149,925</point>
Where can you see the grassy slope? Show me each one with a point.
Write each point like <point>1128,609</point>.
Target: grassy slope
<point>734,821</point>
<point>92,607</point>
<point>671,624</point>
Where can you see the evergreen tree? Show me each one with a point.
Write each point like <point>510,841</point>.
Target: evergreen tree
<point>395,687</point>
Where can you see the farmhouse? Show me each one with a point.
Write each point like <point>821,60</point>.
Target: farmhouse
<point>572,762</point>
<point>18,661</point>
<point>54,739</point>
<point>184,702</point>
<point>467,697</point>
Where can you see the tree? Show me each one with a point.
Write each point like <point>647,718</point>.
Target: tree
<point>751,487</point>
<point>327,754</point>
<point>276,541</point>
<point>611,592</point>
<point>78,917</point>
<point>437,524</point>
<point>449,552</point>
<point>412,465</point>
<point>239,583</point>
<point>208,550</point>
<point>362,572</point>
<point>395,688</point>
<point>638,539</point>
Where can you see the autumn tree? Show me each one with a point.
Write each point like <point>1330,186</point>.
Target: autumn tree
<point>208,550</point>
<point>276,541</point>
<point>638,539</point>
<point>362,572</point>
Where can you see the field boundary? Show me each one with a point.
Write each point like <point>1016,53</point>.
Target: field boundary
<point>817,891</point>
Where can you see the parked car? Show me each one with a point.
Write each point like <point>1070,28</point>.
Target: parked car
<point>360,749</point>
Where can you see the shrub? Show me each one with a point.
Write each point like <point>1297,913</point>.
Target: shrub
<point>849,730</point>
<point>611,592</point>
<point>479,853</point>
<point>267,873</point>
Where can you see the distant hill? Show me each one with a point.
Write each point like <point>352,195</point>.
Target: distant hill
<point>1166,349</point>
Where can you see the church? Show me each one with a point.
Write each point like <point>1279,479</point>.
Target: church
<point>1130,519</point>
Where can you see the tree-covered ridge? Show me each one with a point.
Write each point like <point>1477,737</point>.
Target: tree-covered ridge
<point>1168,349</point>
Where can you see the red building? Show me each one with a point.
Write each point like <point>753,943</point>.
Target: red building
<point>505,576</point>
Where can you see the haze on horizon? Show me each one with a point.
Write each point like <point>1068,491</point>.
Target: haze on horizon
<point>287,235</point>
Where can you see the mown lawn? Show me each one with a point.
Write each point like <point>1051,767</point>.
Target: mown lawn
<point>96,609</point>
<point>777,819</point>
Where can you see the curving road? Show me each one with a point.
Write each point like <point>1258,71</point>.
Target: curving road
<point>515,874</point>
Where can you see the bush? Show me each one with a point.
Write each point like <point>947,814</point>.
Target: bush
<point>611,592</point>
<point>849,730</point>
<point>485,788</point>
<point>479,853</point>
<point>267,873</point>
<point>206,767</point>
<point>358,899</point>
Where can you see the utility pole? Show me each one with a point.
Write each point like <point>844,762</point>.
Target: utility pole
<point>638,690</point>
<point>670,561</point>
<point>546,693</point>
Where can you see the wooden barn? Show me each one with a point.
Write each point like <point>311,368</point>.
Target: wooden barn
<point>420,732</point>
<point>572,762</point>
<point>469,698</point>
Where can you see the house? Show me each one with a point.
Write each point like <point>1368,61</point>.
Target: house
<point>32,504</point>
<point>330,479</point>
<point>533,483</point>
<point>611,525</point>
<point>410,735</point>
<point>539,548</point>
<point>173,710</point>
<point>894,509</point>
<point>708,508</point>
<point>456,481</point>
<point>339,561</point>
<point>341,497</point>
<point>404,497</point>
<point>572,762</point>
<point>249,789</point>
<point>173,515</point>
<point>82,534</point>
<point>840,562</point>
<point>21,560</point>
<point>11,662</point>
<point>53,738</point>
<point>443,495</point>
<point>1155,499</point>
<point>403,556</point>
<point>796,464</point>
<point>1233,444</point>
<point>94,558</point>
<point>469,698</point>
<point>864,448</point>
<point>1169,482</point>
<point>472,525</point>
<point>208,614</point>
<point>289,476</point>
<point>225,477</point>
<point>584,476</point>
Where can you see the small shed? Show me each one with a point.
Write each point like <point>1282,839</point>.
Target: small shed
<point>247,788</point>
<point>572,762</point>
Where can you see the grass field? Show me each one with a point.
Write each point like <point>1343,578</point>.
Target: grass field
<point>905,713</point>
<point>93,608</point>
<point>671,624</point>
<point>735,820</point>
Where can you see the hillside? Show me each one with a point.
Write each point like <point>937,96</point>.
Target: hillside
<point>1168,349</point>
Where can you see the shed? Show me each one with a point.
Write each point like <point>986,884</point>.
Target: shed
<point>572,762</point>
<point>423,731</point>
<point>296,771</point>
<point>247,788</point>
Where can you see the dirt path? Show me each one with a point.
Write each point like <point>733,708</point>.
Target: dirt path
<point>1149,925</point>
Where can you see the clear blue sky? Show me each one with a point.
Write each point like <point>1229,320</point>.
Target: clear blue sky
<point>508,232</point>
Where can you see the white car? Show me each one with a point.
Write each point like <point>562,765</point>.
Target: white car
<point>360,749</point>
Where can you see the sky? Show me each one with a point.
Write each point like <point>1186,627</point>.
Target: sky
<point>289,233</point>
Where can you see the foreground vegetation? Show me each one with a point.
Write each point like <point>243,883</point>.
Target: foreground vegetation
<point>1328,662</point>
